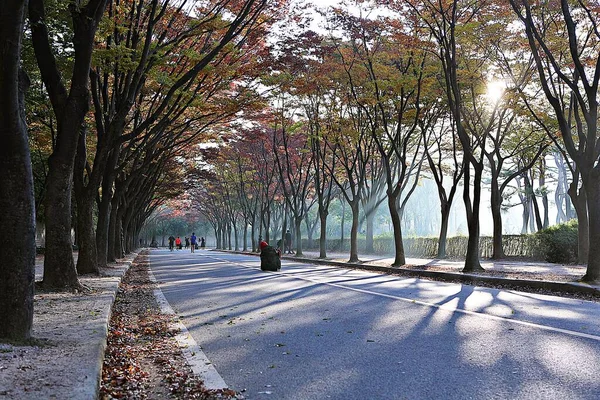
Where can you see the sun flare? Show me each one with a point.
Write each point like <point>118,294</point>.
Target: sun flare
<point>495,90</point>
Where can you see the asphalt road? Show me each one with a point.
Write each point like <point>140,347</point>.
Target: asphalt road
<point>317,332</point>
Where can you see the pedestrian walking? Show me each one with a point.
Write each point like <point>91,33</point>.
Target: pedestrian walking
<point>202,242</point>
<point>171,242</point>
<point>288,242</point>
<point>178,243</point>
<point>193,240</point>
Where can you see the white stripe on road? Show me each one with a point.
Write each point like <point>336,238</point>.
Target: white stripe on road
<point>200,364</point>
<point>427,304</point>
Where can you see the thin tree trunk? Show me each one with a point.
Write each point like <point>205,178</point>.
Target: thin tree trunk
<point>443,238</point>
<point>298,226</point>
<point>496,204</point>
<point>579,201</point>
<point>323,234</point>
<point>105,209</point>
<point>87,260</point>
<point>400,258</point>
<point>370,218</point>
<point>472,263</point>
<point>354,232</point>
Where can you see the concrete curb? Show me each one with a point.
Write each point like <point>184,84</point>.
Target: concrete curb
<point>198,361</point>
<point>104,334</point>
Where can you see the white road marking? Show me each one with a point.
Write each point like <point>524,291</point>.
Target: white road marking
<point>427,304</point>
<point>200,364</point>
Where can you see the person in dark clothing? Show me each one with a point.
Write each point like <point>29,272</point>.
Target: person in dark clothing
<point>269,258</point>
<point>193,240</point>
<point>288,242</point>
<point>171,242</point>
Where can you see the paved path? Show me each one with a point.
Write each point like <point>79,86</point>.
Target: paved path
<point>533,267</point>
<point>319,332</point>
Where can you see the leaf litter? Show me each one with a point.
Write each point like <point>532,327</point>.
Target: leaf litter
<point>142,358</point>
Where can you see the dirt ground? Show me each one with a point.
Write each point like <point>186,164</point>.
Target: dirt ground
<point>68,329</point>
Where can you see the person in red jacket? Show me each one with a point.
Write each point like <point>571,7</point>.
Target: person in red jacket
<point>178,243</point>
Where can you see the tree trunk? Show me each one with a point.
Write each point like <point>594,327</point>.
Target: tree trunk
<point>592,192</point>
<point>542,183</point>
<point>443,238</point>
<point>579,201</point>
<point>323,235</point>
<point>119,250</point>
<point>370,217</point>
<point>59,266</point>
<point>70,108</point>
<point>87,260</point>
<point>354,232</point>
<point>298,226</point>
<point>342,226</point>
<point>105,210</point>
<point>472,263</point>
<point>400,258</point>
<point>496,206</point>
<point>112,231</point>
<point>17,201</point>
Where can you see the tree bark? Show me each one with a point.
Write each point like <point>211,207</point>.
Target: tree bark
<point>87,260</point>
<point>496,206</point>
<point>443,238</point>
<point>17,202</point>
<point>399,258</point>
<point>354,232</point>
<point>323,234</point>
<point>472,263</point>
<point>370,217</point>
<point>592,191</point>
<point>298,226</point>
<point>579,200</point>
<point>105,209</point>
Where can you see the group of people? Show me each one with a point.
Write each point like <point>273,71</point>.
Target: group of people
<point>191,242</point>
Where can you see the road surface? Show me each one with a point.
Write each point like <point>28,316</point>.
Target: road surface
<point>318,332</point>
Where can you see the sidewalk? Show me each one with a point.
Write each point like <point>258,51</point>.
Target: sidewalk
<point>70,331</point>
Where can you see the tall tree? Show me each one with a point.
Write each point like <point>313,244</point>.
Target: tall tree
<point>161,61</point>
<point>386,73</point>
<point>17,202</point>
<point>70,103</point>
<point>462,67</point>
<point>440,144</point>
<point>567,57</point>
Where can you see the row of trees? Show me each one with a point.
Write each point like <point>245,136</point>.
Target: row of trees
<point>383,99</point>
<point>121,90</point>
